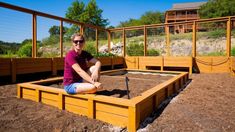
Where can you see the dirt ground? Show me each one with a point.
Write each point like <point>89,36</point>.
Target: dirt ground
<point>206,104</point>
<point>137,83</point>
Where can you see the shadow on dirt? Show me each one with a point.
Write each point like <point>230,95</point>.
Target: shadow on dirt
<point>120,93</point>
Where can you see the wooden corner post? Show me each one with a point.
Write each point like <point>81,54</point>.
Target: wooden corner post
<point>167,40</point>
<point>134,118</point>
<point>228,37</point>
<point>145,40</point>
<point>61,39</point>
<point>97,40</point>
<point>34,40</point>
<point>194,40</point>
<point>109,41</point>
<point>124,41</point>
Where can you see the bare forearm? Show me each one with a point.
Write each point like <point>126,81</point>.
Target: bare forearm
<point>98,65</point>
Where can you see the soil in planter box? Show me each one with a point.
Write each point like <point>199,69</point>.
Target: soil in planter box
<point>138,83</point>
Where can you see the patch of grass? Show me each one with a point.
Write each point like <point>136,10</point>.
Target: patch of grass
<point>215,54</point>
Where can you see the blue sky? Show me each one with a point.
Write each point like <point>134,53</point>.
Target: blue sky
<point>113,10</point>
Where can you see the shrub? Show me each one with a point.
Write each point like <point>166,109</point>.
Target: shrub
<point>54,39</point>
<point>153,52</point>
<point>25,50</point>
<point>89,47</point>
<point>103,54</point>
<point>233,51</point>
<point>215,54</point>
<point>135,49</point>
<point>217,33</point>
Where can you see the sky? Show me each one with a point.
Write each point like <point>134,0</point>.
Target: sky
<point>115,11</point>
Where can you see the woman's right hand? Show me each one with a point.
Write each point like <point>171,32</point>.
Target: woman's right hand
<point>98,85</point>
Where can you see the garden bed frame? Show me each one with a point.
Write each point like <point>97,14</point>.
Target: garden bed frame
<point>117,111</point>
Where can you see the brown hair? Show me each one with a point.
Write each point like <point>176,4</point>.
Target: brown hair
<point>77,34</point>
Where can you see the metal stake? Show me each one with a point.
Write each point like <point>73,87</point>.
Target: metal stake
<point>127,88</point>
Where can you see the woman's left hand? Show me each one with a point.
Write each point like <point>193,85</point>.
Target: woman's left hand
<point>94,76</point>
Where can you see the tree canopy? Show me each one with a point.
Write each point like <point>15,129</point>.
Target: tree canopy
<point>149,17</point>
<point>217,8</point>
<point>90,13</point>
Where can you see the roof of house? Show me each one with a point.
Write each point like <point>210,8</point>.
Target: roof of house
<point>184,6</point>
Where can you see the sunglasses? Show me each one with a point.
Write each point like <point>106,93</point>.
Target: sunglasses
<point>76,41</point>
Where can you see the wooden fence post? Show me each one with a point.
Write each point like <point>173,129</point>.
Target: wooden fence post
<point>97,40</point>
<point>34,40</point>
<point>229,37</point>
<point>124,41</point>
<point>194,39</point>
<point>61,39</point>
<point>145,40</point>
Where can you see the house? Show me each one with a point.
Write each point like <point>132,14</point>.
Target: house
<point>183,12</point>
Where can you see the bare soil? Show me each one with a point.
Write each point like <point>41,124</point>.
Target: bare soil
<point>116,86</point>
<point>206,104</point>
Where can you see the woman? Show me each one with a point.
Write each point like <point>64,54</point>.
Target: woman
<point>76,70</point>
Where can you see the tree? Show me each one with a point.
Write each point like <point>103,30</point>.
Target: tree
<point>90,14</point>
<point>55,30</point>
<point>152,18</point>
<point>149,17</point>
<point>217,8</point>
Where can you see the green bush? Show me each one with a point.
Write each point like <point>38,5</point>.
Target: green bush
<point>52,40</point>
<point>153,52</point>
<point>25,50</point>
<point>135,49</point>
<point>233,51</point>
<point>89,47</point>
<point>215,54</point>
<point>217,33</point>
<point>103,54</point>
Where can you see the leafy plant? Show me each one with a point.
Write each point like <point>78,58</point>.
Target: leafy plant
<point>89,47</point>
<point>153,52</point>
<point>217,33</point>
<point>135,49</point>
<point>215,54</point>
<point>53,39</point>
<point>25,50</point>
<point>233,51</point>
<point>103,54</point>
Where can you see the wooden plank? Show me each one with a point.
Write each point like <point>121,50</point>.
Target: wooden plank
<point>178,61</point>
<point>59,63</point>
<point>30,97</point>
<point>110,108</point>
<point>149,61</point>
<point>131,62</point>
<point>146,108</point>
<point>76,109</point>
<point>91,108</point>
<point>133,119</point>
<point>220,64</point>
<point>161,95</point>
<point>76,101</point>
<point>204,64</point>
<point>117,60</point>
<point>105,61</point>
<point>170,89</point>
<point>61,102</point>
<point>5,66</point>
<point>50,96</point>
<point>31,92</point>
<point>50,102</point>
<point>19,91</point>
<point>112,118</point>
